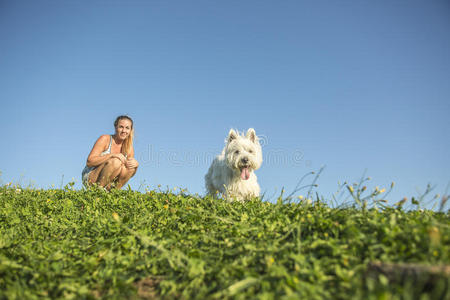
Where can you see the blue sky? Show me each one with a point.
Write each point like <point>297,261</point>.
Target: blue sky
<point>352,85</point>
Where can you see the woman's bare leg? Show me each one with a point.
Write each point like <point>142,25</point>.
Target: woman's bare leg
<point>124,176</point>
<point>93,176</point>
<point>109,172</point>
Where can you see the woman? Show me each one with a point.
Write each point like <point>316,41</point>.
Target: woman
<point>111,162</point>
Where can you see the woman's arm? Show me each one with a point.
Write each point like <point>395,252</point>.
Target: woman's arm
<point>95,159</point>
<point>131,161</point>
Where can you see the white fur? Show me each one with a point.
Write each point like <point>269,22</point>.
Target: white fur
<point>224,174</point>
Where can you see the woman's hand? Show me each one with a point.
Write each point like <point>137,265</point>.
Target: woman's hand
<point>131,163</point>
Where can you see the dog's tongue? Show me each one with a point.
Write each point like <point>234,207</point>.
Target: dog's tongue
<point>245,174</point>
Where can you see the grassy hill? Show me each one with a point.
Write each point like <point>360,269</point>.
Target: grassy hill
<point>62,243</point>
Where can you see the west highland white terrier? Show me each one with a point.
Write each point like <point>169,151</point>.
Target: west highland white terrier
<point>232,172</point>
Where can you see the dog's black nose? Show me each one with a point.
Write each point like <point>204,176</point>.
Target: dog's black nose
<point>244,160</point>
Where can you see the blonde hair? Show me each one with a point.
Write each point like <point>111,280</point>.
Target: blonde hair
<point>128,143</point>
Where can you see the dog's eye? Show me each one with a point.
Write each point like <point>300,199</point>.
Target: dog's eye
<point>250,151</point>
<point>236,152</point>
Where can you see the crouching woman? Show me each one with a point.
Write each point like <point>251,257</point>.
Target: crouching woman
<point>111,162</point>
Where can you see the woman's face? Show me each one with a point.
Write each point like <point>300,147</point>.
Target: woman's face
<point>123,129</point>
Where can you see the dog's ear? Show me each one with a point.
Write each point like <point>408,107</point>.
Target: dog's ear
<point>232,135</point>
<point>251,134</point>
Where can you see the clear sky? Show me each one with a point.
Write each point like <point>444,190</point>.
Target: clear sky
<point>352,85</point>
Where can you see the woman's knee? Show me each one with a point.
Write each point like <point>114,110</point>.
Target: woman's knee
<point>115,163</point>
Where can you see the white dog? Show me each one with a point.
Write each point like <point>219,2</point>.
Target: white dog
<point>231,172</point>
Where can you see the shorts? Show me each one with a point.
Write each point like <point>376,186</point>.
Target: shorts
<point>85,175</point>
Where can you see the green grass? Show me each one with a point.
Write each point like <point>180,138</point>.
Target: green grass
<point>61,243</point>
